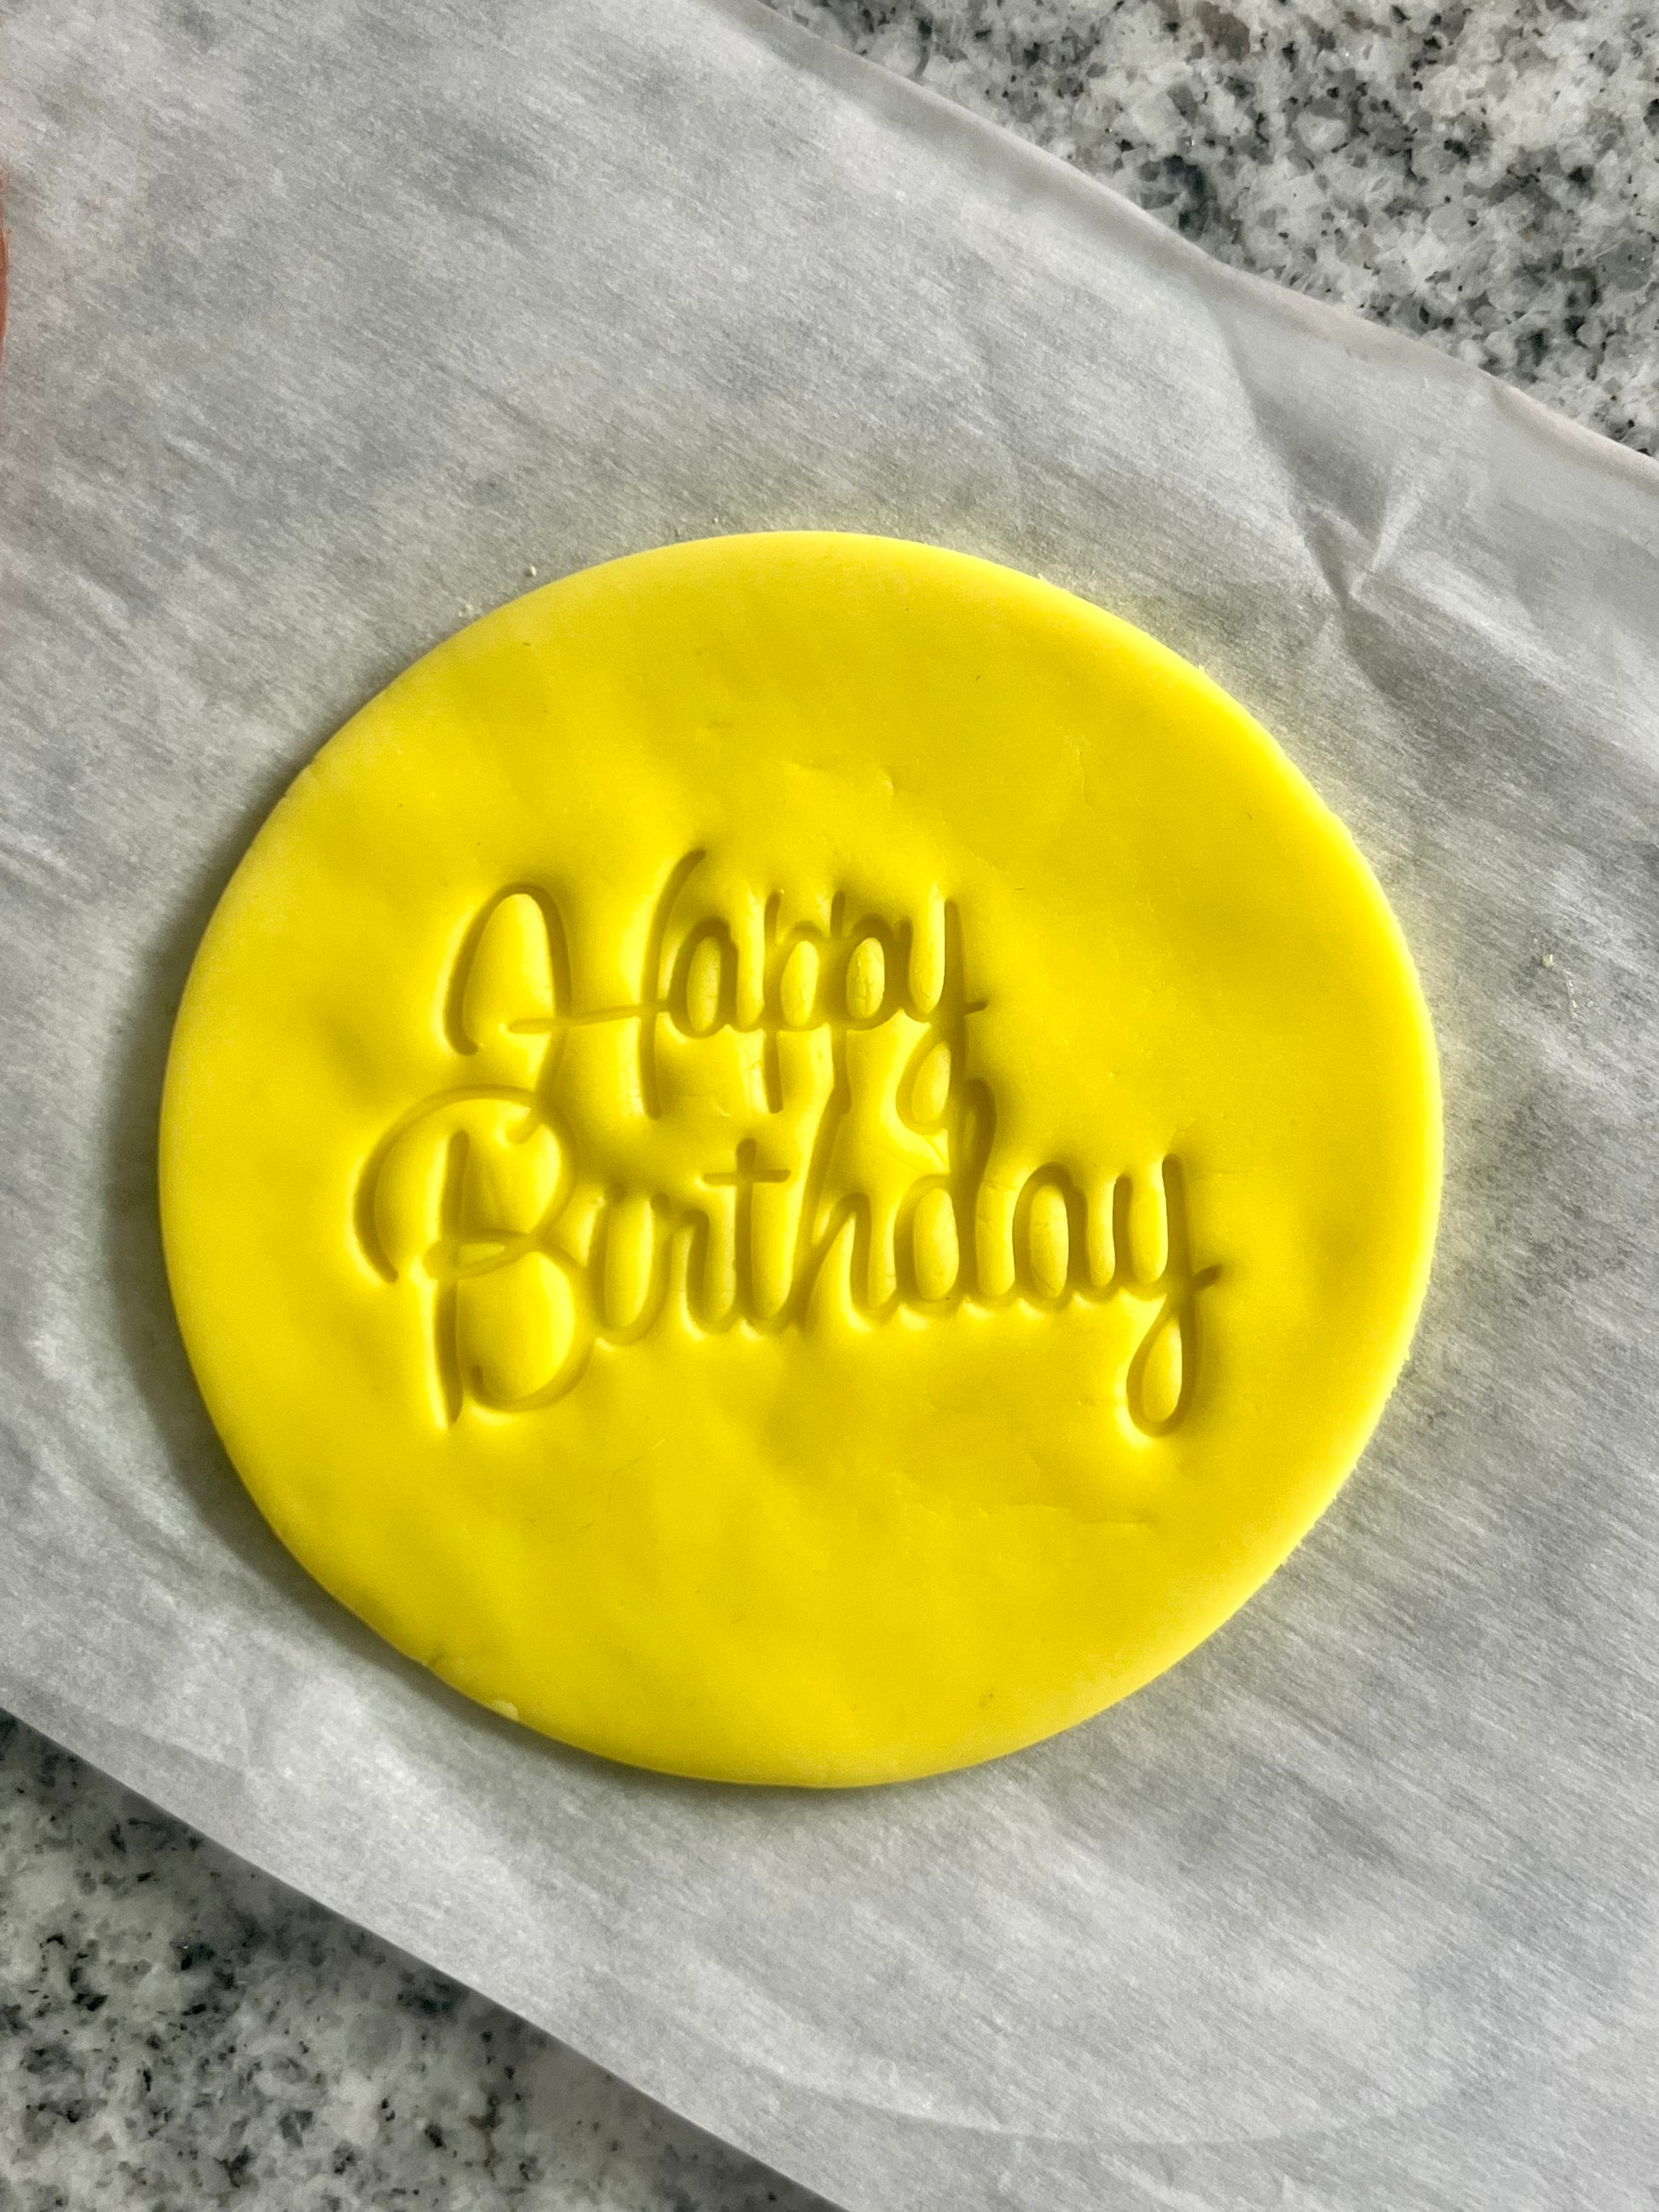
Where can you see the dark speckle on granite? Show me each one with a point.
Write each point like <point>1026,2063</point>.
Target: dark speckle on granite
<point>177,2030</point>
<point>1485,176</point>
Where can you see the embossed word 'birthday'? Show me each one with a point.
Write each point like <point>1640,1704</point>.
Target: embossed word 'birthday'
<point>529,1210</point>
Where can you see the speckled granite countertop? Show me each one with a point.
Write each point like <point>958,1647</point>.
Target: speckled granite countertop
<point>1484,176</point>
<point>175,2029</point>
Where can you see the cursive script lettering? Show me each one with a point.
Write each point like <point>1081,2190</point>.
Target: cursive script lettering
<point>482,1193</point>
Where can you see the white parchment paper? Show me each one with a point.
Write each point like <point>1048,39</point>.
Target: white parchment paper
<point>331,324</point>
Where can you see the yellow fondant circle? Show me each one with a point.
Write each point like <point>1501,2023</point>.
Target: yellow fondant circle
<point>798,1159</point>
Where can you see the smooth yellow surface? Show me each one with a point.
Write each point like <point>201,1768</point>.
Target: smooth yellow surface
<point>798,1159</point>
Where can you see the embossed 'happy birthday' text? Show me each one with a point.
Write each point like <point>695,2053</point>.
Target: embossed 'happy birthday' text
<point>502,1200</point>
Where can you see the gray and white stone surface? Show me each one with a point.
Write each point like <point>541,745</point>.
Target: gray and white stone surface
<point>1481,173</point>
<point>177,2029</point>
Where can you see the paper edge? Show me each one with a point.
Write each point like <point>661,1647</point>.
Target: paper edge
<point>875,86</point>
